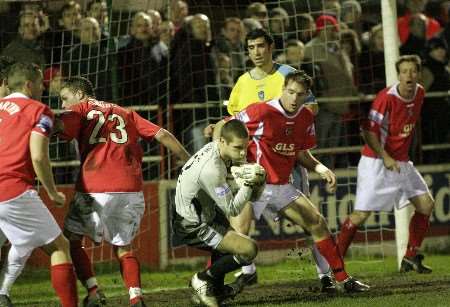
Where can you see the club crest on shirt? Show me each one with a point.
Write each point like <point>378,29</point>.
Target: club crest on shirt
<point>261,95</point>
<point>410,112</point>
<point>289,130</point>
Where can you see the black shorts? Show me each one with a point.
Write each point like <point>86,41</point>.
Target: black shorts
<point>206,236</point>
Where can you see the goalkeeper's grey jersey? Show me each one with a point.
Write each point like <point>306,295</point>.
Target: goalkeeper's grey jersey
<point>202,185</point>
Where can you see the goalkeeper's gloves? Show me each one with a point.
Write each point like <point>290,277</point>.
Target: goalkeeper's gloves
<point>249,174</point>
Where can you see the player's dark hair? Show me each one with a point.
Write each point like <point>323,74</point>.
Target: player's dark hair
<point>257,33</point>
<point>5,63</point>
<point>408,58</point>
<point>20,73</point>
<point>299,76</point>
<point>234,129</point>
<point>79,84</point>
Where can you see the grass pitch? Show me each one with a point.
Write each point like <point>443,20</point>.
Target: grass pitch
<point>290,283</point>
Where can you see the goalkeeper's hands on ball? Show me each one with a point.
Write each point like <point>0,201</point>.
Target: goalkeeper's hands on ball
<point>252,175</point>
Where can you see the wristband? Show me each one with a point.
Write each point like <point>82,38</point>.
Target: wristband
<point>320,168</point>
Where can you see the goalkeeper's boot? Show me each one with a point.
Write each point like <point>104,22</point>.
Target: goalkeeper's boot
<point>244,280</point>
<point>226,293</point>
<point>352,285</point>
<point>96,299</point>
<point>327,285</point>
<point>204,291</point>
<point>5,301</point>
<point>414,264</point>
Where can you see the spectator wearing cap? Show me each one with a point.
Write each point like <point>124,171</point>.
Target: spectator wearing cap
<point>52,86</point>
<point>326,37</point>
<point>337,76</point>
<point>435,111</point>
<point>415,44</point>
<point>415,7</point>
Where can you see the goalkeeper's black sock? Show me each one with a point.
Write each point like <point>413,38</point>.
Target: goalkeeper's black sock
<point>220,267</point>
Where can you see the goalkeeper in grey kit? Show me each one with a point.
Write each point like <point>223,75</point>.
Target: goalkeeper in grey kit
<point>205,200</point>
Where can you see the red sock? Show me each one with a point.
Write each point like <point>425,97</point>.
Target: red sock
<point>345,238</point>
<point>418,226</point>
<point>82,264</point>
<point>129,266</point>
<point>328,248</point>
<point>65,284</point>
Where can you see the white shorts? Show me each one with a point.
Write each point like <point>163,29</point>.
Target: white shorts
<point>113,217</point>
<point>379,189</point>
<point>27,223</point>
<point>274,198</point>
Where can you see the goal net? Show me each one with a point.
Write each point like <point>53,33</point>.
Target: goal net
<point>178,75</point>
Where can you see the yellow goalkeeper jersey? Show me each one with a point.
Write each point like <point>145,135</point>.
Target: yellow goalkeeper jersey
<point>248,90</point>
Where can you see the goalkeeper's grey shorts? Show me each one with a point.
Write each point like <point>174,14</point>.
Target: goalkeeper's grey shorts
<point>274,198</point>
<point>206,236</point>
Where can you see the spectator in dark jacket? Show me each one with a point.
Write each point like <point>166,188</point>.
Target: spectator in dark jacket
<point>135,63</point>
<point>92,58</point>
<point>436,111</point>
<point>26,47</point>
<point>193,75</point>
<point>58,41</point>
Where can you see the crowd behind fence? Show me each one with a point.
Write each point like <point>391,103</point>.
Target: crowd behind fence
<point>177,63</point>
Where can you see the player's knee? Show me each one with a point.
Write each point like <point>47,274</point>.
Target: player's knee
<point>63,244</point>
<point>318,222</point>
<point>242,227</point>
<point>60,244</point>
<point>249,251</point>
<point>359,217</point>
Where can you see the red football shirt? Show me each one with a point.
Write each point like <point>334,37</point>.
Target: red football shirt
<point>110,154</point>
<point>277,137</point>
<point>19,117</point>
<point>393,119</point>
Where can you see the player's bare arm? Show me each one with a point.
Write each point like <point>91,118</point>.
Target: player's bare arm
<point>209,130</point>
<point>41,164</point>
<point>373,142</point>
<point>217,128</point>
<point>307,160</point>
<point>169,141</point>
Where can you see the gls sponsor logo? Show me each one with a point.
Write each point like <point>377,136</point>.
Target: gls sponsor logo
<point>407,129</point>
<point>284,149</point>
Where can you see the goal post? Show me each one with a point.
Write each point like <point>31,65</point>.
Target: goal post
<point>391,55</point>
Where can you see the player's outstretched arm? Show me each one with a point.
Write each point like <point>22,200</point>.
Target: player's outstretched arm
<point>307,160</point>
<point>373,142</point>
<point>41,164</point>
<point>217,129</point>
<point>170,142</point>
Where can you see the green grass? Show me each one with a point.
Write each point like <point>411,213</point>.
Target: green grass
<point>290,283</point>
